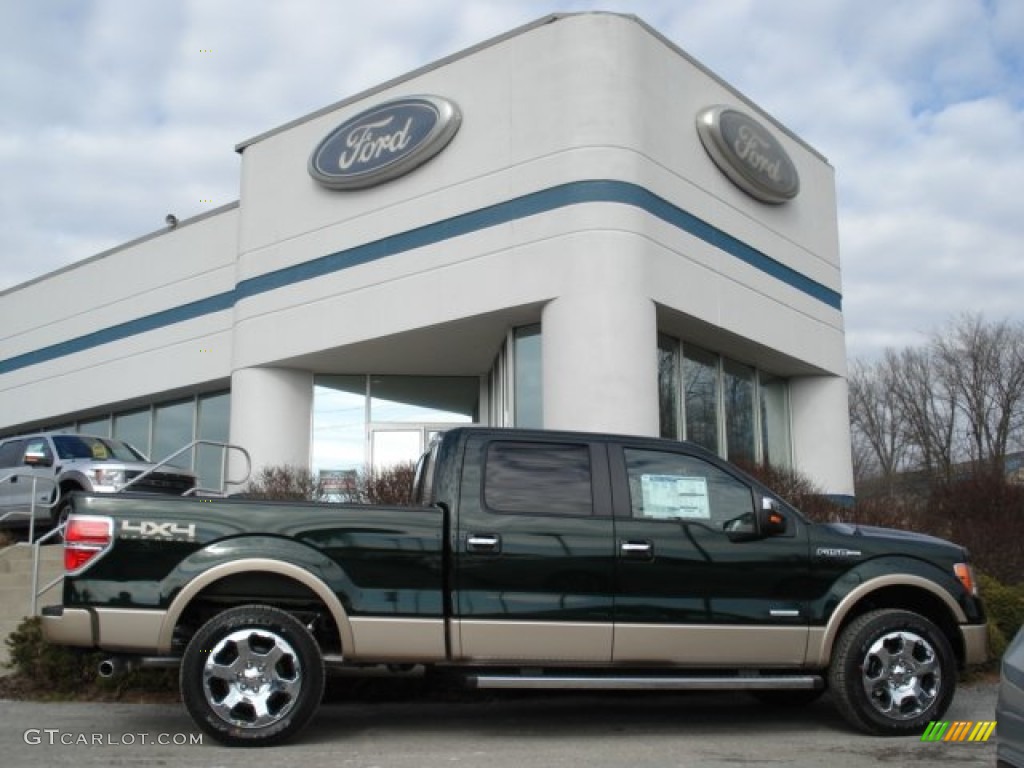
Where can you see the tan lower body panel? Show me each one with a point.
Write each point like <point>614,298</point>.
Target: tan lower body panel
<point>395,639</point>
<point>72,627</point>
<point>975,643</point>
<point>710,645</point>
<point>533,642</point>
<point>126,629</point>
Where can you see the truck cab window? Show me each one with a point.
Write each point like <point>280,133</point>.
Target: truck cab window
<point>538,479</point>
<point>673,486</point>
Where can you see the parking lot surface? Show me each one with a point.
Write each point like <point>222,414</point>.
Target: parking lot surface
<point>511,730</point>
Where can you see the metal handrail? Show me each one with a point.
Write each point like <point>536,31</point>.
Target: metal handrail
<point>36,593</point>
<point>216,443</point>
<point>32,503</point>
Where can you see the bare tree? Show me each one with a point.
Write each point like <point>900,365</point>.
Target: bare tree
<point>927,406</point>
<point>984,364</point>
<point>881,442</point>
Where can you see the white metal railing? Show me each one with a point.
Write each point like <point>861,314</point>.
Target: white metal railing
<point>58,531</point>
<point>36,592</point>
<point>224,482</point>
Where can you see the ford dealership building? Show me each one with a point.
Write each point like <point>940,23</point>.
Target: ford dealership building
<point>574,225</point>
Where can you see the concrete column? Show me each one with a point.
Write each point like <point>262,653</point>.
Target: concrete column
<point>821,432</point>
<point>271,413</point>
<point>599,352</point>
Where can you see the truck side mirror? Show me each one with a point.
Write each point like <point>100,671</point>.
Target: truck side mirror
<point>770,521</point>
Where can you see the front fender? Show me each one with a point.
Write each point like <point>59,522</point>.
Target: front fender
<point>830,612</point>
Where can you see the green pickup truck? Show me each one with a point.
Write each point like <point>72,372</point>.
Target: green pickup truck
<point>530,559</point>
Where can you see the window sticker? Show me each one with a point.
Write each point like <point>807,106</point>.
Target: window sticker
<point>99,451</point>
<point>673,496</point>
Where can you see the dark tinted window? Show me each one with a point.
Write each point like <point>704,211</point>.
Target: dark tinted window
<point>674,486</point>
<point>538,479</point>
<point>11,453</point>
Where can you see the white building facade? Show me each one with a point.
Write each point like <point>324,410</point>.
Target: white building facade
<point>534,232</point>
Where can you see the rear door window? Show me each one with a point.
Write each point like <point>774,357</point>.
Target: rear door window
<point>538,479</point>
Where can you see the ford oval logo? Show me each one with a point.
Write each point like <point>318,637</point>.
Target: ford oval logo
<point>384,142</point>
<point>748,154</point>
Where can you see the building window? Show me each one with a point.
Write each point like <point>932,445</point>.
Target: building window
<point>528,393</point>
<point>214,423</point>
<point>774,406</point>
<point>378,421</point>
<point>133,427</point>
<point>436,399</point>
<point>738,409</point>
<point>668,387</point>
<point>701,392</point>
<point>728,407</point>
<point>339,423</point>
<point>99,427</point>
<point>173,428</point>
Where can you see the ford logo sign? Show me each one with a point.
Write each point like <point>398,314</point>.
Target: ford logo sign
<point>384,142</point>
<point>748,154</point>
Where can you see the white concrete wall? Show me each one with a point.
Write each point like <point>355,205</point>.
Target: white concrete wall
<point>165,272</point>
<point>821,432</point>
<point>270,417</point>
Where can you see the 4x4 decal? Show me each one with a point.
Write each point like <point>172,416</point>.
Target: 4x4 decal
<point>160,530</point>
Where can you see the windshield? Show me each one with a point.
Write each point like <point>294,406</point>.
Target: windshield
<point>94,448</point>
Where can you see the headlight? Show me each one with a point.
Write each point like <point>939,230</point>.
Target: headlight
<point>107,476</point>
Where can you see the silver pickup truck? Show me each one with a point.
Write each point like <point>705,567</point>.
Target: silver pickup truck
<point>75,463</point>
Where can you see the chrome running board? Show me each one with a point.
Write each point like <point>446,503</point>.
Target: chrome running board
<point>648,683</point>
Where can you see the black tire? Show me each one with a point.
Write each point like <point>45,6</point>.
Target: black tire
<point>252,676</point>
<point>60,511</point>
<point>795,697</point>
<point>892,673</point>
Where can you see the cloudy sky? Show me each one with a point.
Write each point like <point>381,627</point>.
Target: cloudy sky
<point>115,112</point>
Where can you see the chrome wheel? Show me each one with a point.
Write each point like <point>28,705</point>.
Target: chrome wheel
<point>252,678</point>
<point>901,675</point>
<point>892,672</point>
<point>252,675</point>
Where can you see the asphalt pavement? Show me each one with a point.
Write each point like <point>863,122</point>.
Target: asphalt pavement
<point>506,730</point>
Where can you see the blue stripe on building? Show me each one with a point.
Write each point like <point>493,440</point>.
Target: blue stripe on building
<point>573,193</point>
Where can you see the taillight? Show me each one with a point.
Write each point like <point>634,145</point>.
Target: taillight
<point>86,537</point>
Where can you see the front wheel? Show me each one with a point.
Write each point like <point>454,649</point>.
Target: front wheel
<point>892,673</point>
<point>252,676</point>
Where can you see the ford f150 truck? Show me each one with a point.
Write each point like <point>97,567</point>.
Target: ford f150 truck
<point>530,559</point>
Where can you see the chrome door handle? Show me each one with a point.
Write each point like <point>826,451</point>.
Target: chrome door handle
<point>481,543</point>
<point>637,550</point>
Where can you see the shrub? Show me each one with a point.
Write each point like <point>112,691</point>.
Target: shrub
<point>285,483</point>
<point>984,513</point>
<point>59,671</point>
<point>389,485</point>
<point>1004,604</point>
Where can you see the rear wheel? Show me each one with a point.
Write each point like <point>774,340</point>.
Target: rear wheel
<point>892,673</point>
<point>252,676</point>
